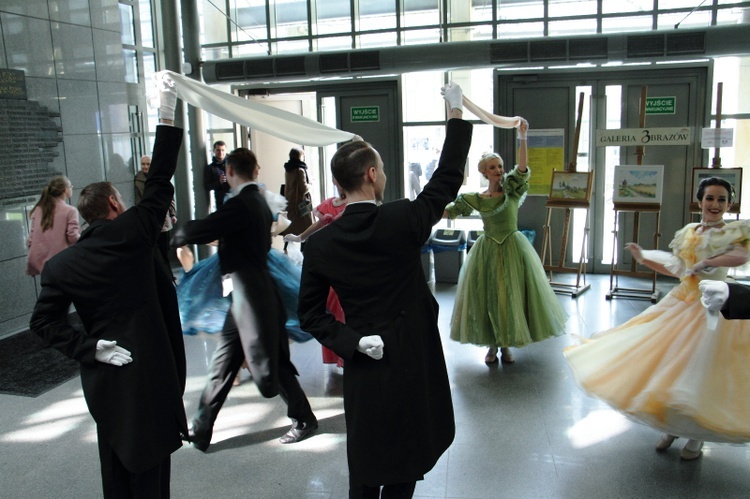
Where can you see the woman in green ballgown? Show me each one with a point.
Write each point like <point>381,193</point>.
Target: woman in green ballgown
<point>503,297</point>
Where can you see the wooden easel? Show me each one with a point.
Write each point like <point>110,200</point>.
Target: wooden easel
<point>615,290</point>
<point>580,285</point>
<point>716,163</point>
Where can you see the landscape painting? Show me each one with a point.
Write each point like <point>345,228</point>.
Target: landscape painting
<point>571,186</point>
<point>638,184</point>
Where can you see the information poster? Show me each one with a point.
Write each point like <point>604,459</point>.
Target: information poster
<point>546,152</point>
<point>717,137</point>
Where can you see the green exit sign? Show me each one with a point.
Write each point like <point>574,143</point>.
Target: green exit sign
<point>361,114</point>
<point>660,105</point>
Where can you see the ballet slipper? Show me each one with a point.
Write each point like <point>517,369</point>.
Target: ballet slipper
<point>692,450</point>
<point>491,357</point>
<point>506,356</point>
<point>665,442</point>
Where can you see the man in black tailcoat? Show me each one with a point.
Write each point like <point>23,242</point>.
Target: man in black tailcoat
<point>131,351</point>
<point>255,327</point>
<point>397,401</point>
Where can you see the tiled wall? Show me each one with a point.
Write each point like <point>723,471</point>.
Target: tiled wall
<point>71,54</point>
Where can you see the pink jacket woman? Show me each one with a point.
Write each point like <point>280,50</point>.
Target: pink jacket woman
<point>54,225</point>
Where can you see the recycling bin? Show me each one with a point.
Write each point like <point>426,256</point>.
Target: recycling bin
<point>448,251</point>
<point>530,235</point>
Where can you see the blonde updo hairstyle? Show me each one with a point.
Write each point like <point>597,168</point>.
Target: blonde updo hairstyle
<point>486,157</point>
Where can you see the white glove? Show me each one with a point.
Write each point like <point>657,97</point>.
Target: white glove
<point>523,127</point>
<point>167,95</point>
<point>292,238</point>
<point>453,95</point>
<point>371,346</point>
<point>107,352</point>
<point>715,294</point>
<point>636,251</point>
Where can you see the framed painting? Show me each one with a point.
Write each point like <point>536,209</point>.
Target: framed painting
<point>638,184</point>
<point>731,175</point>
<point>571,187</point>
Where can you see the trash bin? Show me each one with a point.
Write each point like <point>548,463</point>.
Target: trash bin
<point>473,236</point>
<point>530,235</point>
<point>448,250</point>
<point>427,261</point>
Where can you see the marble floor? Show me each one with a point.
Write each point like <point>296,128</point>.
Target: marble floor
<point>523,431</point>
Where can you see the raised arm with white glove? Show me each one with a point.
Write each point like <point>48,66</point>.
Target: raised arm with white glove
<point>107,352</point>
<point>167,96</point>
<point>453,95</point>
<point>371,346</point>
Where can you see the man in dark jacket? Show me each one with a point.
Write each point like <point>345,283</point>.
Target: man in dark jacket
<point>215,176</point>
<point>255,329</point>
<point>397,401</point>
<point>131,351</point>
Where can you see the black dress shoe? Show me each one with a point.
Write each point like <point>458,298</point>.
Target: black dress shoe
<point>299,431</point>
<point>200,438</point>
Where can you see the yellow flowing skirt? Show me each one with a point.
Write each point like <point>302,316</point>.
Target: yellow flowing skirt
<point>666,369</point>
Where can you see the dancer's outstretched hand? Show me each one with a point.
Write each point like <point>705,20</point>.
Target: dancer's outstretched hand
<point>636,251</point>
<point>523,127</point>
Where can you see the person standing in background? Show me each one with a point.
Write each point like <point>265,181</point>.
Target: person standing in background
<point>171,219</point>
<point>139,182</point>
<point>299,204</point>
<point>214,175</point>
<point>54,224</point>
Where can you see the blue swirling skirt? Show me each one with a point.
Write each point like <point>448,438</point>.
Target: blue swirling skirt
<point>203,308</point>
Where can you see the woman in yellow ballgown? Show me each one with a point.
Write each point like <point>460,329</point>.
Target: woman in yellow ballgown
<point>673,367</point>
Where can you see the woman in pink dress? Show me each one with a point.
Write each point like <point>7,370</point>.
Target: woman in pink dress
<point>54,224</point>
<point>325,213</point>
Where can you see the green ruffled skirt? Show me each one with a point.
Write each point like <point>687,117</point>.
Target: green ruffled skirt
<point>503,297</point>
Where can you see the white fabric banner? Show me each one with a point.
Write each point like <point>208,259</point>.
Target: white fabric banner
<point>276,122</point>
<point>283,124</point>
<point>492,119</point>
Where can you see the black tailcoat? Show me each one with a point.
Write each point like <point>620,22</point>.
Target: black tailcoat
<point>243,227</point>
<point>737,305</point>
<point>122,293</point>
<point>399,414</point>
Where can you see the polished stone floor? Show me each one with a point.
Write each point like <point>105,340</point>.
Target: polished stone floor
<point>523,431</point>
